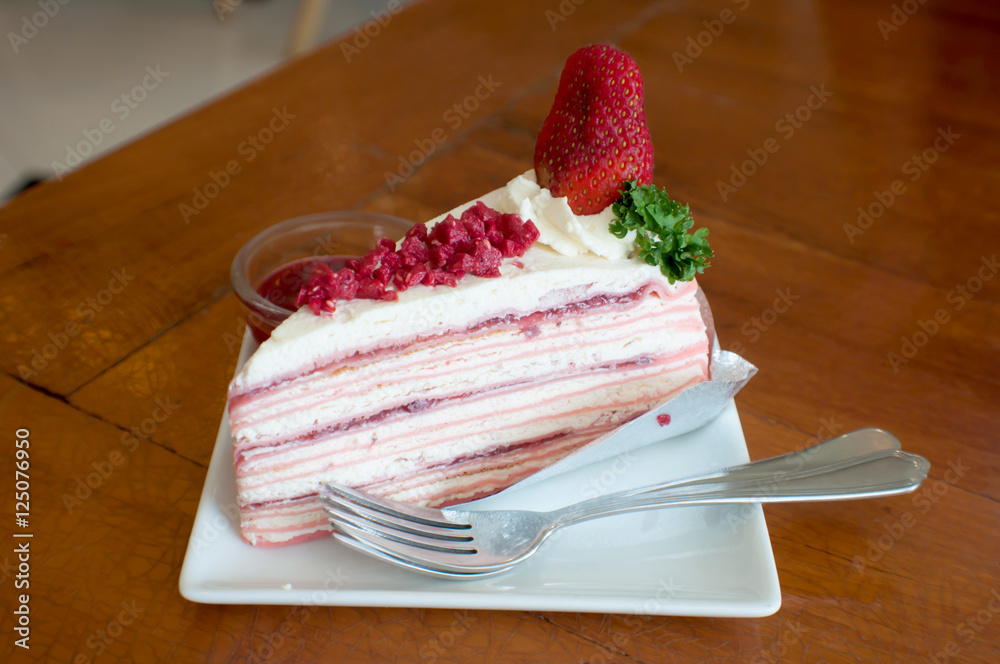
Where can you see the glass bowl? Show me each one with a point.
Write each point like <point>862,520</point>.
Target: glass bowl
<point>333,237</point>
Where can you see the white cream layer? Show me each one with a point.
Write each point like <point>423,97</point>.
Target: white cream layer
<point>306,341</point>
<point>463,365</point>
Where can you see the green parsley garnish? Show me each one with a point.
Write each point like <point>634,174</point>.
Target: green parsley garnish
<point>661,227</point>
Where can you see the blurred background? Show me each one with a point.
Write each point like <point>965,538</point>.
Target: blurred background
<point>81,77</point>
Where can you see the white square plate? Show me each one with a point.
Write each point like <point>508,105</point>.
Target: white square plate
<point>690,561</point>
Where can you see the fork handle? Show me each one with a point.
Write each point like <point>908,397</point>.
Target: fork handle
<point>881,473</point>
<point>799,463</point>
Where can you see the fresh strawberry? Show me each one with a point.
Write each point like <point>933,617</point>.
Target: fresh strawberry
<point>595,137</point>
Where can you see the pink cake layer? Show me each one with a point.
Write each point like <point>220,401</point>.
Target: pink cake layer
<point>359,379</point>
<point>461,415</point>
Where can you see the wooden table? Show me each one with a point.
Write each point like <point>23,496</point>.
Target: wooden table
<point>844,155</point>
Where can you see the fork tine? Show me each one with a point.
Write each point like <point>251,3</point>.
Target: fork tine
<point>379,522</point>
<point>417,566</point>
<point>358,530</point>
<point>394,508</point>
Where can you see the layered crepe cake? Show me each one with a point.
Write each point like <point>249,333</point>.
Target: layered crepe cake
<point>440,390</point>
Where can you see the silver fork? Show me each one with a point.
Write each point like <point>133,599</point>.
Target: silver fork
<point>469,544</point>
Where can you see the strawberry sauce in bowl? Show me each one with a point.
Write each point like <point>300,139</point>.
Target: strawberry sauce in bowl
<point>271,267</point>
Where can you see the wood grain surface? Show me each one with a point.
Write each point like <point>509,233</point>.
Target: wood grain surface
<point>780,122</point>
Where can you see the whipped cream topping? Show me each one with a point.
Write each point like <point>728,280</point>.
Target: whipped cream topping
<point>574,259</point>
<point>559,227</point>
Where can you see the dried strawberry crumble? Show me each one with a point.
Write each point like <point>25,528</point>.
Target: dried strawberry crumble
<point>475,243</point>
